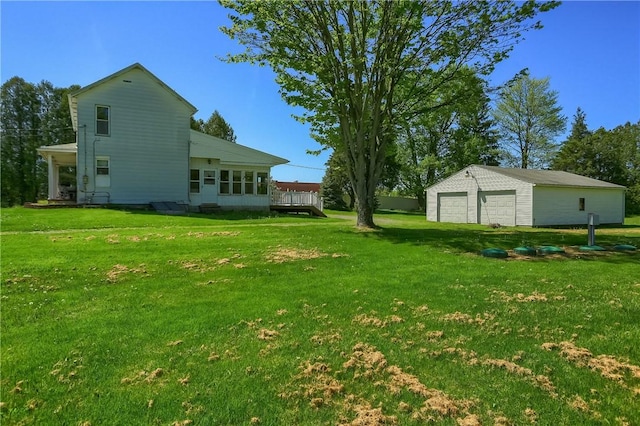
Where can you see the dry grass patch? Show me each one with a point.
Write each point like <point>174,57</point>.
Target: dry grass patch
<point>114,274</point>
<point>608,366</point>
<point>282,254</point>
<point>468,319</point>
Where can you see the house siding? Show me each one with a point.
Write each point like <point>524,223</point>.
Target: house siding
<point>482,180</point>
<point>560,206</point>
<point>231,201</point>
<point>148,145</point>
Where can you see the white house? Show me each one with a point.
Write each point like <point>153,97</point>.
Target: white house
<point>523,197</point>
<point>134,146</point>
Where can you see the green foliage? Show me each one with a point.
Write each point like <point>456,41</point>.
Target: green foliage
<point>455,132</point>
<point>359,69</point>
<point>118,317</point>
<point>32,115</point>
<point>335,185</point>
<point>529,118</point>
<point>214,126</point>
<point>609,155</point>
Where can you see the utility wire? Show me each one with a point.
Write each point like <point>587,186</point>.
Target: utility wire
<point>305,167</point>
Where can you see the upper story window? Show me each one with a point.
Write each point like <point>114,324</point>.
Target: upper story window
<point>103,118</point>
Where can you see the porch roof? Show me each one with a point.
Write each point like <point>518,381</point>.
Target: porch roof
<point>63,155</point>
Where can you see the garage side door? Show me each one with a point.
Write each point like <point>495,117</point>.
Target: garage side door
<point>497,207</point>
<point>452,207</point>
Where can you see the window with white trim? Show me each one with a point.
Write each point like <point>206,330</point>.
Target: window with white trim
<point>224,182</point>
<point>248,183</point>
<point>103,172</point>
<point>263,183</point>
<point>103,119</point>
<point>194,181</point>
<point>237,182</point>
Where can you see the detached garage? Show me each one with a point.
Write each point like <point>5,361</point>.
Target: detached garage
<point>523,197</point>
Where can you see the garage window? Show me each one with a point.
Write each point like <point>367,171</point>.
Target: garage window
<point>581,204</point>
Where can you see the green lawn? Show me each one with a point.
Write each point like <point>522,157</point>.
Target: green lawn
<point>116,317</point>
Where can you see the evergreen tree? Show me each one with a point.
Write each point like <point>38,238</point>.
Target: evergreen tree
<point>577,153</point>
<point>216,126</point>
<point>335,185</point>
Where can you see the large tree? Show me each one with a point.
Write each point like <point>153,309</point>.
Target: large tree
<point>359,66</point>
<point>529,119</point>
<point>456,132</point>
<point>216,126</point>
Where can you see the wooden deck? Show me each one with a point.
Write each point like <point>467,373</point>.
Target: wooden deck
<point>297,202</point>
<point>311,210</point>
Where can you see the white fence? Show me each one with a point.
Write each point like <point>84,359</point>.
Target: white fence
<point>293,198</point>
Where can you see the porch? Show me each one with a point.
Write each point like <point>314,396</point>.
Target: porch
<point>297,202</point>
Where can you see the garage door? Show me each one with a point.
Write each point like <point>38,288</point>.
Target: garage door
<point>452,207</point>
<point>497,207</point>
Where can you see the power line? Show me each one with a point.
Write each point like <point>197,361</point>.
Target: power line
<point>305,167</point>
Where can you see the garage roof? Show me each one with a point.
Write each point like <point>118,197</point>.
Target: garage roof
<point>551,177</point>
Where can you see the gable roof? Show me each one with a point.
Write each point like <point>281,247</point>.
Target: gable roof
<point>551,177</point>
<point>206,146</point>
<point>73,101</point>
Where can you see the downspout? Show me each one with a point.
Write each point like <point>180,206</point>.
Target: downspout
<point>85,176</point>
<point>188,174</point>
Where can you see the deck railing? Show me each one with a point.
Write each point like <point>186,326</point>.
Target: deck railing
<point>294,198</point>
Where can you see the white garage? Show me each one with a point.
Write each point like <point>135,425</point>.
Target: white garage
<point>497,207</point>
<point>523,197</point>
<point>452,207</point>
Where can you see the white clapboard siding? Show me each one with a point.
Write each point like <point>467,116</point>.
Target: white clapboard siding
<point>148,142</point>
<point>523,197</point>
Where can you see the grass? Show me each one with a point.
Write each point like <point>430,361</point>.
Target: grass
<point>116,317</point>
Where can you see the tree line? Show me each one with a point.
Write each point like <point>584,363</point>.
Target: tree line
<point>37,114</point>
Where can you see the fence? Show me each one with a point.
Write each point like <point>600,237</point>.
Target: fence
<point>294,198</point>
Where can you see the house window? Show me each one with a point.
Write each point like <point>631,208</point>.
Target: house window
<point>224,181</point>
<point>209,177</point>
<point>248,183</point>
<point>194,181</point>
<point>581,204</point>
<point>263,182</point>
<point>102,120</point>
<point>237,182</point>
<point>103,172</point>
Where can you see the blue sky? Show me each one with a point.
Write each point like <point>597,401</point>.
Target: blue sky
<point>590,50</point>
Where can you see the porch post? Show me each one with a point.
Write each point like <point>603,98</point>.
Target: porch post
<point>51,173</point>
